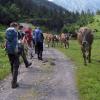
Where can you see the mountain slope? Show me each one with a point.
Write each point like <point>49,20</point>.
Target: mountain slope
<point>79,5</point>
<point>11,10</point>
<point>48,5</point>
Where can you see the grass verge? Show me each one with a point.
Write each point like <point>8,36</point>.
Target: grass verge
<point>4,65</point>
<point>88,77</point>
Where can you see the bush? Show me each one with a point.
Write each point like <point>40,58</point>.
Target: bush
<point>71,28</point>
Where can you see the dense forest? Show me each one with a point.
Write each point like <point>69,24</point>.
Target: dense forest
<point>43,13</point>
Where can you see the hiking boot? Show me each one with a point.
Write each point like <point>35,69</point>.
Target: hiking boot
<point>15,85</point>
<point>29,64</point>
<point>40,58</point>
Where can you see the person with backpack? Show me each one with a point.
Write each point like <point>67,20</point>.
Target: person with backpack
<point>12,51</point>
<point>38,36</point>
<point>29,39</point>
<point>21,37</point>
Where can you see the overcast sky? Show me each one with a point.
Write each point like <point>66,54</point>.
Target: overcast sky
<point>79,5</point>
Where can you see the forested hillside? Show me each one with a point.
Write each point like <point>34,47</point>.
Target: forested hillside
<point>42,13</point>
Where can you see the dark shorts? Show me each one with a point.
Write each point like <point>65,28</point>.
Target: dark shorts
<point>39,46</point>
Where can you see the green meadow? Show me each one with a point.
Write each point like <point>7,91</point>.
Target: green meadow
<point>88,77</point>
<point>4,63</point>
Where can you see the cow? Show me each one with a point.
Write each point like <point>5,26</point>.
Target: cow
<point>85,38</point>
<point>50,40</point>
<point>64,40</point>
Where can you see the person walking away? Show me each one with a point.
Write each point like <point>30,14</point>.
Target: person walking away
<point>34,41</point>
<point>21,36</point>
<point>12,51</point>
<point>28,36</point>
<point>33,37</point>
<point>39,42</point>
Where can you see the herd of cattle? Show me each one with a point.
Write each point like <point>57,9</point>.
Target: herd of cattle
<point>84,36</point>
<point>54,40</point>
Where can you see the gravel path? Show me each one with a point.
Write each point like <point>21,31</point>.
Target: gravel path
<point>51,79</point>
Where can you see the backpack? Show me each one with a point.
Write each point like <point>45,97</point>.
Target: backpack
<point>11,40</point>
<point>9,36</point>
<point>38,36</point>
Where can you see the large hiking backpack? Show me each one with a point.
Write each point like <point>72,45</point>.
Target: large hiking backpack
<point>11,40</point>
<point>38,36</point>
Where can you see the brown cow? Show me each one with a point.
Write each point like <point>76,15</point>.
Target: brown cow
<point>85,39</point>
<point>64,40</point>
<point>45,36</point>
<point>50,40</point>
<point>56,39</point>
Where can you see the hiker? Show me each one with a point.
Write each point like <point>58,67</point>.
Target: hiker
<point>38,35</point>
<point>12,51</point>
<point>21,37</point>
<point>29,39</point>
<point>33,37</point>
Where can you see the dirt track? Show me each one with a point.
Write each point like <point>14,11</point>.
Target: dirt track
<point>51,79</point>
